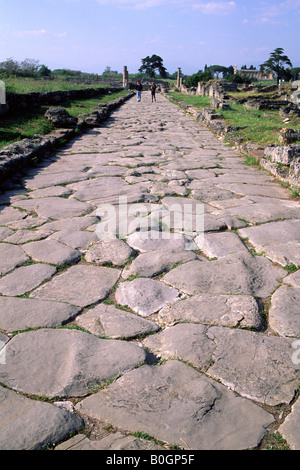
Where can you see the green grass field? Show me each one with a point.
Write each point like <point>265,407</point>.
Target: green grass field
<point>263,127</point>
<point>25,124</point>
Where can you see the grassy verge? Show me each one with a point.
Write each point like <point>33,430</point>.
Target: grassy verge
<point>28,85</point>
<point>263,127</point>
<point>17,126</point>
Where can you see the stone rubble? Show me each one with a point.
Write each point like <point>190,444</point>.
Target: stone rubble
<point>149,282</point>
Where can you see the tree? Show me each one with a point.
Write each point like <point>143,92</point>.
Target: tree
<point>276,63</point>
<point>44,71</point>
<point>193,80</point>
<point>151,64</point>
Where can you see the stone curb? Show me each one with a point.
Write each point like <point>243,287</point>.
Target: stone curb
<point>15,157</point>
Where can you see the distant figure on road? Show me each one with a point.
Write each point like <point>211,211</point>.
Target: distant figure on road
<point>139,89</point>
<point>153,91</point>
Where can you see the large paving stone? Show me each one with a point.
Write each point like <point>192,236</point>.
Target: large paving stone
<point>235,274</point>
<point>25,278</point>
<point>156,262</point>
<point>284,314</point>
<point>107,320</point>
<point>256,190</point>
<point>76,239</point>
<point>215,310</point>
<point>154,240</point>
<point>176,404</point>
<point>10,214</point>
<point>25,236</point>
<point>233,354</point>
<point>278,240</point>
<point>145,296</point>
<point>56,207</point>
<point>273,379</point>
<point>293,279</point>
<point>51,251</point>
<point>80,285</point>
<point>10,257</point>
<point>114,251</point>
<point>64,362</point>
<point>30,424</point>
<point>218,245</point>
<point>20,314</point>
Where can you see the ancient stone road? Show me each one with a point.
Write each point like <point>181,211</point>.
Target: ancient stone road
<point>144,289</point>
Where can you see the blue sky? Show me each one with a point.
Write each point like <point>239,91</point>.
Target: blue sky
<point>89,35</point>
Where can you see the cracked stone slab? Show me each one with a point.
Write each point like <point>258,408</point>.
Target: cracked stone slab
<point>145,296</point>
<point>256,190</point>
<point>156,262</point>
<point>114,251</point>
<point>176,404</point>
<point>10,257</point>
<point>271,380</point>
<point>56,207</point>
<point>115,441</point>
<point>235,274</point>
<point>293,279</point>
<point>229,355</point>
<point>21,314</point>
<point>5,232</point>
<point>214,310</point>
<point>114,323</point>
<point>80,285</point>
<point>31,424</point>
<point>284,313</point>
<point>72,223</point>
<point>51,251</point>
<point>290,429</point>
<point>77,362</point>
<point>25,278</point>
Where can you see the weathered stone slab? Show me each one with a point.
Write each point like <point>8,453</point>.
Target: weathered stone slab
<point>76,362</point>
<point>66,176</point>
<point>263,212</point>
<point>76,239</point>
<point>235,274</point>
<point>176,404</point>
<point>284,314</point>
<point>271,380</point>
<point>51,251</point>
<point>58,191</point>
<point>114,251</point>
<point>10,257</point>
<point>214,310</point>
<point>25,278</point>
<point>21,314</point>
<point>107,320</point>
<point>154,240</point>
<point>73,223</point>
<point>256,190</point>
<point>56,207</point>
<point>30,222</point>
<point>24,236</point>
<point>290,429</point>
<point>156,262</point>
<point>80,285</point>
<point>10,214</point>
<point>145,296</point>
<point>218,245</point>
<point>31,424</point>
<point>115,441</point>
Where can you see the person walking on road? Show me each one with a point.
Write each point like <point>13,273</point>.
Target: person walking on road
<point>153,91</point>
<point>139,89</point>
